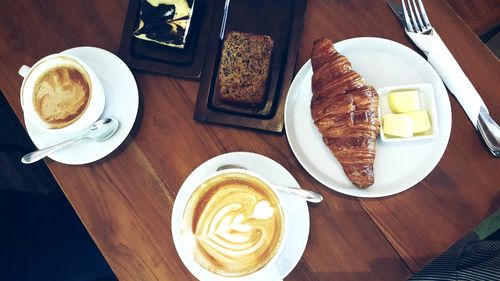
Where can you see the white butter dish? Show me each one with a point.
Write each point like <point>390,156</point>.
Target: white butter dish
<point>427,102</point>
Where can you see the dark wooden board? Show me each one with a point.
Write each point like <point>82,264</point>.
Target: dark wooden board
<point>282,20</point>
<point>149,56</point>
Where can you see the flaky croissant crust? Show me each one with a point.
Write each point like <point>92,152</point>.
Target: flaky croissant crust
<point>345,111</point>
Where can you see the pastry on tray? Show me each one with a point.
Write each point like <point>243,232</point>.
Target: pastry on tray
<point>243,74</point>
<point>345,111</point>
<point>165,22</point>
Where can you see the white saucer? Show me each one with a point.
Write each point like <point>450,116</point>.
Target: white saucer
<point>297,212</point>
<point>122,103</point>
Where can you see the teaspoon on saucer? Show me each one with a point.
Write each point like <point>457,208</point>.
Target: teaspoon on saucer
<point>305,194</point>
<point>100,131</point>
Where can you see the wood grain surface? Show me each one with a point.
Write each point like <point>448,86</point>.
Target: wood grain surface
<point>125,200</point>
<point>480,15</point>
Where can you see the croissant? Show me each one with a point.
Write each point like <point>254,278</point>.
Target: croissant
<point>345,111</point>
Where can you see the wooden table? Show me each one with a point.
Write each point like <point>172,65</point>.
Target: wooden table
<point>480,15</point>
<point>125,200</point>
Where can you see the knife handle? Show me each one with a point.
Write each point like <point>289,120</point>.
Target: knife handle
<point>455,79</point>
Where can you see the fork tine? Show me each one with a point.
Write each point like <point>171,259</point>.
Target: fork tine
<point>413,18</point>
<point>419,20</point>
<point>424,14</point>
<point>407,19</point>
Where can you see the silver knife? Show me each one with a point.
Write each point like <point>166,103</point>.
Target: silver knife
<point>224,19</point>
<point>398,11</point>
<point>487,127</point>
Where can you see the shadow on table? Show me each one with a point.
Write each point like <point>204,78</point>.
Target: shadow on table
<point>476,256</point>
<point>379,269</point>
<point>495,205</point>
<point>41,237</point>
<point>133,132</point>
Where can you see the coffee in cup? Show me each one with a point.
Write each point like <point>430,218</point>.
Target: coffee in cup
<point>61,95</point>
<point>61,92</point>
<point>233,223</point>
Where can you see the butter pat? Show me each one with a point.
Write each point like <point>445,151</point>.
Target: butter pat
<point>404,101</point>
<point>418,103</point>
<point>421,122</point>
<point>398,125</point>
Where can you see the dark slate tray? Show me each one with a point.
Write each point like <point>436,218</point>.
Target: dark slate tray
<point>282,20</point>
<point>153,57</point>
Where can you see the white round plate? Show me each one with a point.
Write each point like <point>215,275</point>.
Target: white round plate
<point>398,166</point>
<point>297,212</point>
<point>122,103</point>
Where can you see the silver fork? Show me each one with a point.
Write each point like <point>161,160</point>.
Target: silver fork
<point>420,30</point>
<point>418,20</point>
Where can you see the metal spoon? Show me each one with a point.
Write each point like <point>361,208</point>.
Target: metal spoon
<point>490,131</point>
<point>305,194</point>
<point>100,131</point>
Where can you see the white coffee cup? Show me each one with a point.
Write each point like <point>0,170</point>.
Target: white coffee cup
<point>268,272</point>
<point>95,105</point>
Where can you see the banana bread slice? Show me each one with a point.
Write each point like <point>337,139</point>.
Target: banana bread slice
<point>244,67</point>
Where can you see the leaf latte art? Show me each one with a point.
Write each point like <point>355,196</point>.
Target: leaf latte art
<point>61,95</point>
<point>236,224</point>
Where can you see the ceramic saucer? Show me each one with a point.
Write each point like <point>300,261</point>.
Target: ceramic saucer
<point>297,213</point>
<point>122,103</point>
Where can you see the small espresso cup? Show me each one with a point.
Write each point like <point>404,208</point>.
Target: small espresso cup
<point>234,227</point>
<point>61,93</point>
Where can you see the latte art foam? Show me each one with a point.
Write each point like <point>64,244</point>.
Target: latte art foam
<point>61,95</point>
<point>236,223</point>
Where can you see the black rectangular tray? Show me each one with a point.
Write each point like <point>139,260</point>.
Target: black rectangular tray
<point>282,20</point>
<point>153,57</point>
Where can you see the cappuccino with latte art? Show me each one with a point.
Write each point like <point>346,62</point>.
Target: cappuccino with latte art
<point>61,93</point>
<point>233,224</point>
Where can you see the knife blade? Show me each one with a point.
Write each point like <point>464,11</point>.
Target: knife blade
<point>224,19</point>
<point>398,11</point>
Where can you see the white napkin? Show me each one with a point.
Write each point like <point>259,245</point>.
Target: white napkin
<point>452,75</point>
